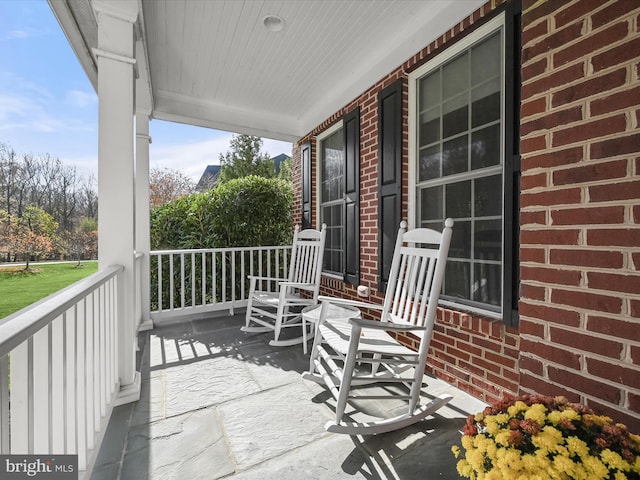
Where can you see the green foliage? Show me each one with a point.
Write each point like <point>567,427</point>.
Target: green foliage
<point>243,212</point>
<point>245,159</point>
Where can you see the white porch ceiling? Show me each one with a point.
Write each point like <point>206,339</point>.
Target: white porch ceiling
<point>213,63</point>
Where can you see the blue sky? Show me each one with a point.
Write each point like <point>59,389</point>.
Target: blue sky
<point>47,104</point>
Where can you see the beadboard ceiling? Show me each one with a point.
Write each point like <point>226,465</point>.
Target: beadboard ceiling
<point>213,63</point>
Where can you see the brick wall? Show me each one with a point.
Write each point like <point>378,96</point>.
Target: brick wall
<point>476,354</point>
<point>580,208</point>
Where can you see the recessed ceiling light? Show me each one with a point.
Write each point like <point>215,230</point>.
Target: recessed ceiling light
<point>273,23</point>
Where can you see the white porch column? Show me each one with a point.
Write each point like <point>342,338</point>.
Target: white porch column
<point>143,242</point>
<point>116,161</point>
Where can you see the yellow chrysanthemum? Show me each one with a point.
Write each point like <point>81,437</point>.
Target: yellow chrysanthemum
<point>614,460</point>
<point>537,412</point>
<point>455,449</point>
<point>596,470</point>
<point>555,417</point>
<point>619,476</point>
<point>548,439</point>
<point>492,425</point>
<point>479,417</point>
<point>577,447</point>
<point>570,414</point>
<point>502,438</point>
<point>564,464</point>
<point>517,407</point>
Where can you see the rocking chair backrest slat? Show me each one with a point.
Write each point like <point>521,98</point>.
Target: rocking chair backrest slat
<point>416,275</point>
<point>306,257</point>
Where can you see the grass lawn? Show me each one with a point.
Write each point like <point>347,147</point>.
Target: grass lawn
<point>19,288</point>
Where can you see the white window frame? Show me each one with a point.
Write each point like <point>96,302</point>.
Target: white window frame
<point>473,38</point>
<point>318,193</point>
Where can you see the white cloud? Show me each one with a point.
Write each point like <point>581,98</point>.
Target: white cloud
<point>81,99</point>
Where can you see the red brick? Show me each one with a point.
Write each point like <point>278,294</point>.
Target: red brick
<point>636,215</point>
<point>500,359</point>
<point>528,327</point>
<point>554,80</point>
<point>533,144</point>
<point>635,355</point>
<point>533,33</point>
<point>503,382</point>
<point>613,11</point>
<point>614,237</point>
<point>567,156</point>
<point>614,282</point>
<point>549,237</point>
<point>635,259</point>
<point>565,196</point>
<point>616,146</point>
<point>533,107</point>
<point>591,173</point>
<point>533,181</point>
<point>552,314</point>
<point>588,386</point>
<point>587,300</point>
<point>615,191</point>
<point>532,292</point>
<point>617,373</point>
<point>616,56</point>
<point>586,258</point>
<point>552,120</point>
<point>629,329</point>
<point>588,216</point>
<point>593,86</point>
<point>532,255</point>
<point>552,353</point>
<point>534,69</point>
<point>550,275</point>
<point>629,418</point>
<point>575,11</point>
<point>541,386</point>
<point>555,40</point>
<point>534,365</point>
<point>616,101</point>
<point>588,131</point>
<point>584,47</point>
<point>533,218</point>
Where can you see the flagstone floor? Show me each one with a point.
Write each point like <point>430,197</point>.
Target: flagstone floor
<point>219,403</point>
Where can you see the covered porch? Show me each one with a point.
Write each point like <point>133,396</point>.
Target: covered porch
<point>216,402</point>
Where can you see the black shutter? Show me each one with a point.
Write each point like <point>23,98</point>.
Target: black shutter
<point>351,130</point>
<point>305,155</point>
<point>389,176</point>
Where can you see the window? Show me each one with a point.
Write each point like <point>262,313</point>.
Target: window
<point>459,149</point>
<point>331,151</point>
<point>338,196</point>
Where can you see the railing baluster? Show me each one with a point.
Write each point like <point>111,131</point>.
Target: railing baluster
<point>182,280</point>
<point>203,280</point>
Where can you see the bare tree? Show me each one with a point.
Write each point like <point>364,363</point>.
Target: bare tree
<point>166,185</point>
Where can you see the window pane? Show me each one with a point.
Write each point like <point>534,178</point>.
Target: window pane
<point>332,167</point>
<point>332,216</point>
<point>431,206</point>
<point>458,200</point>
<point>429,163</point>
<point>461,240</point>
<point>485,103</point>
<point>487,240</point>
<point>485,147</point>
<point>487,286</point>
<point>455,156</point>
<point>485,59</point>
<point>455,77</point>
<point>456,279</point>
<point>430,126</point>
<point>455,116</point>
<point>487,200</point>
<point>430,90</point>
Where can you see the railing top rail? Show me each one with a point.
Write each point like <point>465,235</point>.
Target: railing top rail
<point>19,326</point>
<point>226,249</point>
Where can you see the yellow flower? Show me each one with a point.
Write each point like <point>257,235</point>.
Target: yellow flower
<point>548,439</point>
<point>596,470</point>
<point>492,425</point>
<point>516,408</point>
<point>502,438</point>
<point>570,414</point>
<point>555,417</point>
<point>614,460</point>
<point>464,469</point>
<point>577,447</point>
<point>619,476</point>
<point>537,413</point>
<point>456,450</point>
<point>479,417</point>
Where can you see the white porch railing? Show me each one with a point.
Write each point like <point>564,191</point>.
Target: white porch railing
<point>185,282</point>
<point>59,371</point>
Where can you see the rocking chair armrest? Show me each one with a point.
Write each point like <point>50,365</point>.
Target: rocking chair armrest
<point>296,284</point>
<point>353,303</point>
<point>275,279</point>
<point>378,325</point>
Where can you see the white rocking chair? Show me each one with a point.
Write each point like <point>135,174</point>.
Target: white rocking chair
<point>274,309</point>
<point>341,350</point>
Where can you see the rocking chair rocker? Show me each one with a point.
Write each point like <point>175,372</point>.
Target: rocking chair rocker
<point>342,350</point>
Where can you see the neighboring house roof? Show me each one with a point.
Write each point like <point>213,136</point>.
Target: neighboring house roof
<point>210,175</point>
<point>209,178</point>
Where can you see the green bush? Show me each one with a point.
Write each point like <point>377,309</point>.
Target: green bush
<point>244,212</point>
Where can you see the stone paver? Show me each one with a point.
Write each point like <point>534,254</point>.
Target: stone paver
<point>218,403</point>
